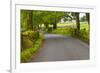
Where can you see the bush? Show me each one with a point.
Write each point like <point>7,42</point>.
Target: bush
<point>26,43</point>
<point>84,35</point>
<point>28,35</point>
<point>27,39</point>
<point>29,52</point>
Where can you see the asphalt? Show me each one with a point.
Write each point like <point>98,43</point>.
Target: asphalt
<point>61,48</point>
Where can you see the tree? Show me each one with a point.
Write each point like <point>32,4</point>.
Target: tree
<point>55,18</point>
<point>26,20</point>
<point>55,21</point>
<point>88,18</point>
<point>67,16</point>
<point>37,20</point>
<point>30,26</point>
<point>77,24</point>
<point>46,18</point>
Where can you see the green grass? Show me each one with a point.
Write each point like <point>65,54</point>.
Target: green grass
<point>66,24</point>
<point>63,31</point>
<point>84,26</point>
<point>29,52</point>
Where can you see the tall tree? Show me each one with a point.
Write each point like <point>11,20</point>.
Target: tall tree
<point>67,16</point>
<point>88,18</point>
<point>55,20</point>
<point>36,20</point>
<point>30,24</point>
<point>56,17</point>
<point>26,20</point>
<point>77,23</point>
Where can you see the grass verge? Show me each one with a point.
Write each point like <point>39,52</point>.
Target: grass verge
<point>63,31</point>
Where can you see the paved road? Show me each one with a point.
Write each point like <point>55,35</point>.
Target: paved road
<point>61,48</point>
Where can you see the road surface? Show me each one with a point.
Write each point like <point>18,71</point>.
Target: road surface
<point>61,48</point>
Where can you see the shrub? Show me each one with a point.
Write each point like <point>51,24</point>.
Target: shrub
<point>29,52</point>
<point>84,35</point>
<point>26,43</point>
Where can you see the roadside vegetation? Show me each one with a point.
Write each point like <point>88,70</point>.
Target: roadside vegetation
<point>30,45</point>
<point>28,53</point>
<point>69,29</point>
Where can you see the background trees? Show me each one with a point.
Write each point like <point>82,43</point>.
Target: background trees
<point>33,20</point>
<point>77,23</point>
<point>26,20</point>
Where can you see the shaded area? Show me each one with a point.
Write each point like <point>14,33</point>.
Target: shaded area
<point>61,48</point>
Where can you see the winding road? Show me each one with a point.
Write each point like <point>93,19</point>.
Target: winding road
<point>61,48</point>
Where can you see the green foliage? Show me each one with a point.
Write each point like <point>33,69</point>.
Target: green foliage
<point>29,52</point>
<point>37,18</point>
<point>84,32</point>
<point>84,35</point>
<point>29,33</point>
<point>27,39</point>
<point>70,30</point>
<point>84,25</point>
<point>63,31</point>
<point>26,43</point>
<point>24,18</point>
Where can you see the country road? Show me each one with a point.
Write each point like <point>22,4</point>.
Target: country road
<point>61,48</point>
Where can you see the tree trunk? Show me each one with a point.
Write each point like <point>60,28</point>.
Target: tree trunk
<point>54,26</point>
<point>38,35</point>
<point>46,25</point>
<point>88,18</point>
<point>30,26</point>
<point>55,23</point>
<point>77,24</point>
